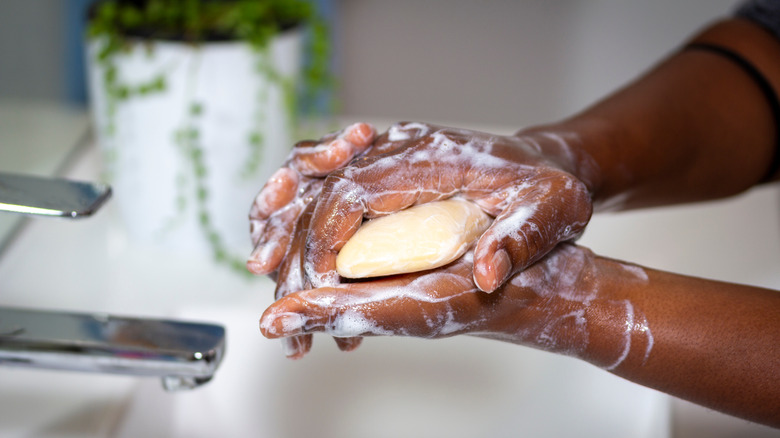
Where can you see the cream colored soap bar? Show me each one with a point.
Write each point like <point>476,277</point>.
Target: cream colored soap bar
<point>422,237</point>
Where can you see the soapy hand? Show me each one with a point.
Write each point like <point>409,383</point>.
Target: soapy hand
<point>279,204</point>
<point>286,201</point>
<point>518,179</point>
<point>527,182</point>
<point>547,306</point>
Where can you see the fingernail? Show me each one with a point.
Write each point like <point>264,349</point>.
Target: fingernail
<point>503,267</point>
<point>259,261</point>
<point>278,190</point>
<point>497,271</point>
<point>286,324</point>
<point>256,267</point>
<point>360,134</point>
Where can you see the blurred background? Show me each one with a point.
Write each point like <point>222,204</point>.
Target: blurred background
<point>500,64</point>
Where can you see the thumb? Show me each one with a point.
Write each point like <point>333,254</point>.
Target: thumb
<point>317,310</point>
<point>442,303</point>
<point>532,224</point>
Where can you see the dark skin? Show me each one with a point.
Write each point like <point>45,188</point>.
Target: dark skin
<point>696,127</point>
<point>713,343</point>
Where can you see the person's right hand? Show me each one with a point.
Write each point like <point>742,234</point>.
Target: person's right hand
<point>531,183</point>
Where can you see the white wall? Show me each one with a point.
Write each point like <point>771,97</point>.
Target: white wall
<point>500,61</point>
<point>497,62</point>
<point>32,49</point>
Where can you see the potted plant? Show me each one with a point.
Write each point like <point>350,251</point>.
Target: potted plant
<point>193,103</point>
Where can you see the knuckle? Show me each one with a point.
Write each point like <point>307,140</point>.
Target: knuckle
<point>339,181</point>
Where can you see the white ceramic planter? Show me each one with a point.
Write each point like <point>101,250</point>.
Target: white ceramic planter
<point>153,173</point>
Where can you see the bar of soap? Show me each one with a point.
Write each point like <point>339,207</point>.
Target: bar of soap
<point>419,238</point>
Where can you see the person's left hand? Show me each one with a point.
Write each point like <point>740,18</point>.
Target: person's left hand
<point>548,306</point>
<point>286,202</point>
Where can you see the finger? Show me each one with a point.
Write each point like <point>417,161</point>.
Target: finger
<point>400,134</point>
<point>360,134</point>
<point>348,344</point>
<point>428,305</point>
<point>305,313</point>
<point>290,279</point>
<point>553,210</point>
<point>374,187</point>
<point>282,186</point>
<point>334,153</point>
<point>316,311</point>
<point>273,241</point>
<point>279,191</point>
<point>344,344</point>
<point>299,281</point>
<point>295,347</point>
<point>339,214</point>
<point>274,237</point>
<point>330,227</point>
<point>268,236</point>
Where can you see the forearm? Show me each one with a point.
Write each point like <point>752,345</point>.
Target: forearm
<point>696,127</point>
<point>713,343</point>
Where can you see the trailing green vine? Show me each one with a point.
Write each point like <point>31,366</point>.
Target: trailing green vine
<point>120,25</point>
<point>116,23</point>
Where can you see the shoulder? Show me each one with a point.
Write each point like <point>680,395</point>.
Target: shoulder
<point>765,13</point>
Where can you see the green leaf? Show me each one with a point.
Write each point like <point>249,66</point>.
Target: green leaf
<point>196,109</point>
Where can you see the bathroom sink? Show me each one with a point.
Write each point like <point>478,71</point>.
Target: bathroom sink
<point>390,387</point>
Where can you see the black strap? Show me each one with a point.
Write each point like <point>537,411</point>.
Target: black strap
<point>763,84</point>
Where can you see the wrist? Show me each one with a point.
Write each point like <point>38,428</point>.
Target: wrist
<point>581,305</point>
<point>619,334</point>
<point>588,148</point>
<point>576,303</point>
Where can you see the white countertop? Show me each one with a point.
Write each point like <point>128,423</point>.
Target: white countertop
<point>388,387</point>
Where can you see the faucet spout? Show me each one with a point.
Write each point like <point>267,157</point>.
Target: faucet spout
<point>183,354</point>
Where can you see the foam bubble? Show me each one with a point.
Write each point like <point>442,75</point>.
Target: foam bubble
<point>351,323</point>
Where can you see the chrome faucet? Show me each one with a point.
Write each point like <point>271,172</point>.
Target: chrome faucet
<point>184,354</point>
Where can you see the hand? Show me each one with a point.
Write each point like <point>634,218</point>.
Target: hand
<point>286,200</point>
<point>547,306</point>
<point>279,204</point>
<point>527,182</point>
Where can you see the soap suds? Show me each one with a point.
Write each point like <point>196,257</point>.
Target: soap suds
<point>350,323</point>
